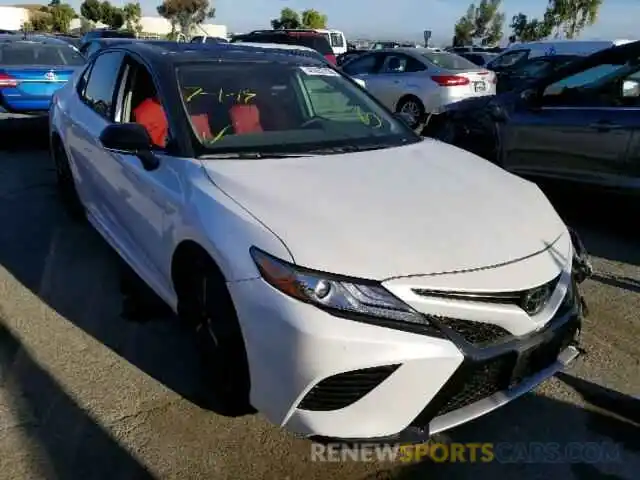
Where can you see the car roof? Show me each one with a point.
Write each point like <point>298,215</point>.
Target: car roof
<point>166,52</point>
<point>43,39</point>
<point>281,46</point>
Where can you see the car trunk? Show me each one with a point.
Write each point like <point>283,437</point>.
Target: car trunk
<point>23,85</point>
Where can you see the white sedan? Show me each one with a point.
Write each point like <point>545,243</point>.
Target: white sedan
<point>420,81</point>
<point>344,276</point>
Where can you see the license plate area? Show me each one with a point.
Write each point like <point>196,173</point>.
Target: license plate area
<point>543,355</point>
<point>480,86</point>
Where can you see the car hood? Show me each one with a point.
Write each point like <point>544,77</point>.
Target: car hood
<point>425,208</point>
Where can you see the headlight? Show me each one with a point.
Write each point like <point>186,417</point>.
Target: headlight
<point>340,295</point>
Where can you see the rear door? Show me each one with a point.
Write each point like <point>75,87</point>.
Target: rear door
<point>399,75</point>
<point>31,73</point>
<point>365,67</point>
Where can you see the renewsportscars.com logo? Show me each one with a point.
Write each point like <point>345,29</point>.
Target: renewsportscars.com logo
<point>503,452</point>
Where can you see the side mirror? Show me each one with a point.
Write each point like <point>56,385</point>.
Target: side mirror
<point>131,138</point>
<point>406,118</point>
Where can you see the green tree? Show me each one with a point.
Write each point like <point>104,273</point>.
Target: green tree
<point>91,10</point>
<point>40,21</point>
<point>132,15</point>
<point>112,16</point>
<point>289,19</point>
<point>482,23</point>
<point>530,30</point>
<point>61,16</point>
<point>464,29</point>
<point>570,17</point>
<point>186,14</point>
<point>313,19</point>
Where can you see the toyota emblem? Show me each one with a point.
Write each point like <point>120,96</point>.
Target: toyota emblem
<point>50,76</point>
<point>535,299</point>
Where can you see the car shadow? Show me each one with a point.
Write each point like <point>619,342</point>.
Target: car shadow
<point>596,442</point>
<point>52,442</point>
<point>72,269</point>
<point>629,284</point>
<point>606,222</point>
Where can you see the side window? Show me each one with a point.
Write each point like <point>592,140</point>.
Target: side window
<point>605,85</point>
<point>414,65</point>
<point>99,92</point>
<point>336,40</point>
<point>362,65</point>
<point>581,79</point>
<point>139,102</point>
<point>401,64</point>
<point>509,59</point>
<point>82,82</point>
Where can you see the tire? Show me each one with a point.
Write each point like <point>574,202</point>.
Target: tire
<point>414,107</point>
<point>66,184</point>
<point>205,306</point>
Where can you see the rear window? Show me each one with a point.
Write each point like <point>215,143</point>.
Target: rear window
<point>316,41</point>
<point>17,53</point>
<point>336,40</point>
<point>449,61</point>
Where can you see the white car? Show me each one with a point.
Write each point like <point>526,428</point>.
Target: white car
<point>420,81</point>
<point>345,277</point>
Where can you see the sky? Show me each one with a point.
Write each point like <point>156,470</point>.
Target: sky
<point>399,19</point>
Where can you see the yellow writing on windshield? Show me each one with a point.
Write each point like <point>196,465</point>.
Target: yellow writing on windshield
<point>369,119</point>
<point>243,96</point>
<point>194,94</point>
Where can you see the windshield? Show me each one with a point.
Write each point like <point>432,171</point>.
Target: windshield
<point>449,61</point>
<point>278,107</point>
<point>508,59</point>
<point>24,53</point>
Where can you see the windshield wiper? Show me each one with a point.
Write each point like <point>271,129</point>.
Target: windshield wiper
<point>248,155</point>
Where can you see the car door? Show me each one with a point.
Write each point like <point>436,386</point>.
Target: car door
<point>399,75</point>
<point>90,116</point>
<point>141,198</point>
<point>365,68</point>
<point>582,137</point>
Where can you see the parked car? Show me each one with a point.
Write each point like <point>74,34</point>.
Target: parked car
<point>207,39</point>
<point>259,194</point>
<point>479,58</point>
<point>531,70</point>
<point>32,69</point>
<point>91,47</point>
<point>351,54</point>
<point>305,38</point>
<point>418,81</point>
<point>577,124</point>
<point>105,33</point>
<point>518,53</point>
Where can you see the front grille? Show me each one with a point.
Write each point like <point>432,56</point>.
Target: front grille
<point>344,389</point>
<point>531,301</point>
<point>545,355</point>
<point>477,379</point>
<point>471,384</point>
<point>478,334</point>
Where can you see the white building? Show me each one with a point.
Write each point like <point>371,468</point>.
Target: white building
<point>12,18</point>
<point>157,27</point>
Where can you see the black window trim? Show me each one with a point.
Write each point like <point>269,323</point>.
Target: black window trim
<point>109,118</point>
<point>375,55</point>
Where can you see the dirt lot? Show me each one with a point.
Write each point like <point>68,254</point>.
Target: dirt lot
<point>85,394</point>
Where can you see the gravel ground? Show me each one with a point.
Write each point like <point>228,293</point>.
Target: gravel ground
<point>85,394</point>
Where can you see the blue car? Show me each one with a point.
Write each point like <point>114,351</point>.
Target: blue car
<point>32,69</point>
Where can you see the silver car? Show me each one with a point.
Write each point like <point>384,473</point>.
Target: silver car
<point>417,81</point>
